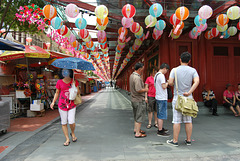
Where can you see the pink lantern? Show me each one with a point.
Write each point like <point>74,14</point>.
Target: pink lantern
<point>127,22</point>
<point>157,32</point>
<point>174,20</point>
<point>135,27</point>
<point>101,35</point>
<point>72,38</point>
<point>204,27</point>
<point>205,12</point>
<point>83,33</point>
<point>214,32</point>
<point>128,11</point>
<point>191,35</point>
<point>72,10</point>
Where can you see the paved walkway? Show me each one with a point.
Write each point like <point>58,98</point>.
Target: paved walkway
<point>104,127</point>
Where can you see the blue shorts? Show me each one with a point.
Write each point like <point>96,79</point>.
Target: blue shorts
<point>162,109</point>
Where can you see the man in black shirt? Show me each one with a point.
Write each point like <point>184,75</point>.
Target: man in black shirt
<point>210,100</point>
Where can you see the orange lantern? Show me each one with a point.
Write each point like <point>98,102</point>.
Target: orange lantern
<point>102,40</point>
<point>182,13</point>
<point>222,20</point>
<point>102,22</point>
<point>89,44</point>
<point>49,11</point>
<point>122,30</point>
<point>75,44</point>
<point>181,26</point>
<point>208,35</point>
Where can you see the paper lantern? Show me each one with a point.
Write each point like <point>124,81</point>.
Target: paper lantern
<point>199,21</point>
<point>89,44</point>
<point>140,32</point>
<point>204,27</point>
<point>83,33</point>
<point>56,23</point>
<point>104,46</point>
<point>178,33</point>
<point>174,36</point>
<point>135,27</point>
<point>49,11</point>
<point>238,25</point>
<point>72,38</point>
<point>225,34</point>
<point>75,44</point>
<point>81,23</point>
<point>232,30</point>
<point>205,12</point>
<point>29,39</point>
<point>191,35</point>
<point>160,25</point>
<point>233,12</point>
<point>156,10</point>
<point>101,12</point>
<point>196,31</point>
<point>208,35</point>
<point>127,22</point>
<point>174,20</point>
<point>222,20</point>
<point>128,11</point>
<point>102,22</point>
<point>182,13</point>
<point>63,31</point>
<point>87,39</point>
<point>139,36</point>
<point>157,32</point>
<point>156,37</point>
<point>142,38</point>
<point>123,31</point>
<point>101,28</point>
<point>214,32</point>
<point>138,42</point>
<point>72,10</point>
<point>150,21</point>
<point>101,35</point>
<point>222,28</point>
<point>67,34</point>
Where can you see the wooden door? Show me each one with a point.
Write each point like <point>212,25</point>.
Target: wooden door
<point>183,47</point>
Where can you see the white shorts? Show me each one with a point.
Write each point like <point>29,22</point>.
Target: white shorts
<point>67,116</point>
<point>178,117</point>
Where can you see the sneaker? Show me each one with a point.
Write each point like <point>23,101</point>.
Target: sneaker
<point>170,142</point>
<point>187,142</point>
<point>162,133</point>
<point>165,130</point>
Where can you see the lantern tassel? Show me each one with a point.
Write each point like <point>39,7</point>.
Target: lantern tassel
<point>149,24</point>
<point>147,35</point>
<point>176,29</point>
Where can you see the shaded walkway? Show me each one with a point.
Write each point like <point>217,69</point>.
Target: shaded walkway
<point>104,129</point>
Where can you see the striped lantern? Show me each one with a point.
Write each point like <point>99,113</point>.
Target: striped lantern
<point>56,23</point>
<point>238,25</point>
<point>222,28</point>
<point>208,35</point>
<point>232,30</point>
<point>215,32</point>
<point>72,10</point>
<point>135,27</point>
<point>63,31</point>
<point>123,31</point>
<point>222,20</point>
<point>80,23</point>
<point>128,11</point>
<point>102,22</point>
<point>49,11</point>
<point>174,20</point>
<point>150,21</point>
<point>233,12</point>
<point>83,33</point>
<point>182,13</point>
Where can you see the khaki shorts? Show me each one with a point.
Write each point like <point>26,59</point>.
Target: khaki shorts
<point>151,106</point>
<point>139,109</point>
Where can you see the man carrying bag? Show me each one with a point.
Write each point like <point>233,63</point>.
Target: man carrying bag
<point>187,80</point>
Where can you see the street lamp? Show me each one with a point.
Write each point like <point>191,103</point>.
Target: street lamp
<point>29,40</point>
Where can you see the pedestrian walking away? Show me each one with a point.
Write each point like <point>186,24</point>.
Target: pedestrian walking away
<point>138,90</point>
<point>188,80</point>
<point>66,107</point>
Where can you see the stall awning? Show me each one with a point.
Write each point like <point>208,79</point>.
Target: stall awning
<point>81,77</point>
<point>55,54</point>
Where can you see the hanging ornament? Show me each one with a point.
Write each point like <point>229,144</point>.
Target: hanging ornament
<point>232,30</point>
<point>160,25</point>
<point>81,23</point>
<point>222,28</point>
<point>150,21</point>
<point>199,21</point>
<point>102,22</point>
<point>233,12</point>
<point>49,11</point>
<point>83,33</point>
<point>127,22</point>
<point>222,20</point>
<point>101,12</point>
<point>208,35</point>
<point>156,10</point>
<point>128,11</point>
<point>135,27</point>
<point>72,10</point>
<point>205,12</point>
<point>214,32</point>
<point>174,20</point>
<point>56,23</point>
<point>182,13</point>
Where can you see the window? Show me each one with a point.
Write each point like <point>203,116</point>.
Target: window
<point>220,51</point>
<point>236,51</point>
<point>182,49</point>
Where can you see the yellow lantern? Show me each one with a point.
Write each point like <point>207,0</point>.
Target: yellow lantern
<point>233,12</point>
<point>150,21</point>
<point>101,12</point>
<point>222,28</point>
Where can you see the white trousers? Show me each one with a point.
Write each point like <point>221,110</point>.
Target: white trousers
<point>67,116</point>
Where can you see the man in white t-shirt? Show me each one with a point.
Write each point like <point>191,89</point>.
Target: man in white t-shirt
<point>161,98</point>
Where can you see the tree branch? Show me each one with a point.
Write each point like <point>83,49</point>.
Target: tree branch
<point>5,13</point>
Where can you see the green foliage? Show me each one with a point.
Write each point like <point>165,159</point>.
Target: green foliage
<point>10,21</point>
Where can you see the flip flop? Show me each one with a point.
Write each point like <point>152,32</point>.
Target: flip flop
<point>141,131</point>
<point>149,126</point>
<point>141,136</point>
<point>73,140</point>
<point>156,125</point>
<point>66,143</point>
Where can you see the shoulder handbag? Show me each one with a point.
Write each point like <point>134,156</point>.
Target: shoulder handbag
<point>169,91</point>
<point>78,99</point>
<point>187,106</point>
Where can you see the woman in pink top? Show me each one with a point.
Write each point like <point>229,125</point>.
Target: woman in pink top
<point>150,98</point>
<point>66,107</point>
<point>229,99</point>
<point>237,94</point>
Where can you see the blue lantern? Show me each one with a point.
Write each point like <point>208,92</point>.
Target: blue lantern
<point>56,23</point>
<point>139,36</point>
<point>81,23</point>
<point>160,25</point>
<point>199,21</point>
<point>195,31</point>
<point>225,34</point>
<point>156,10</point>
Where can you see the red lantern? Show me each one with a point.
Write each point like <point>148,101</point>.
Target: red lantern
<point>135,27</point>
<point>63,31</point>
<point>174,20</point>
<point>238,25</point>
<point>208,35</point>
<point>128,11</point>
<point>102,40</point>
<point>83,33</point>
<point>156,37</point>
<point>104,46</point>
<point>215,32</point>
